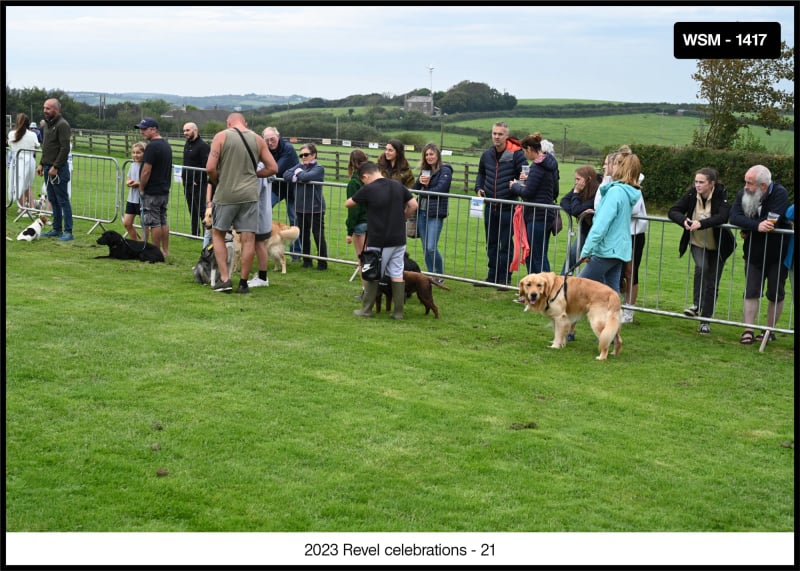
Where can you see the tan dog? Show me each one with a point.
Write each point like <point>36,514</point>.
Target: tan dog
<point>276,243</point>
<point>566,299</point>
<point>236,265</point>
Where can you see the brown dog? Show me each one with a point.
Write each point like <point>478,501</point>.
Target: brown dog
<point>417,283</point>
<point>566,299</point>
<point>276,243</point>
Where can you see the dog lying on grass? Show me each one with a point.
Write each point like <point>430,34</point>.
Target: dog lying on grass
<point>564,300</point>
<point>34,230</point>
<point>121,248</point>
<point>415,282</point>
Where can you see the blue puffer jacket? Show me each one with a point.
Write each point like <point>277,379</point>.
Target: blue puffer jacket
<point>540,188</point>
<point>308,197</point>
<point>440,182</point>
<point>494,175</point>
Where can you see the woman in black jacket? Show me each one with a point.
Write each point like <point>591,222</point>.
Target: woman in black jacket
<point>701,212</point>
<point>579,200</point>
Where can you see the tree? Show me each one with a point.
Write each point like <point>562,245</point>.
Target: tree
<point>743,90</point>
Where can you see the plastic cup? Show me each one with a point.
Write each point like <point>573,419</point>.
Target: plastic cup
<point>773,217</point>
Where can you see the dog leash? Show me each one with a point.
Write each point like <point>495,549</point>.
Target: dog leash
<point>564,287</point>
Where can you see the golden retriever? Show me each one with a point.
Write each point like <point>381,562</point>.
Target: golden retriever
<point>566,299</point>
<point>276,243</point>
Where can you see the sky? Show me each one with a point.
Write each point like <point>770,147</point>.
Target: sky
<point>602,52</point>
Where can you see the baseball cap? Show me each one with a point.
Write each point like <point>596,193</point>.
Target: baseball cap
<point>146,123</point>
<point>33,126</point>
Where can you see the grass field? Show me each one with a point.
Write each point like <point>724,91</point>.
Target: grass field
<point>281,411</point>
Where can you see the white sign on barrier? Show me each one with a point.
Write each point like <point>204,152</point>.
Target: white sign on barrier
<point>347,144</point>
<point>373,145</point>
<point>176,173</point>
<point>476,207</point>
<point>446,153</point>
<point>326,141</point>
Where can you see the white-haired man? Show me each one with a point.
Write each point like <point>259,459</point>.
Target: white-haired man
<point>763,250</point>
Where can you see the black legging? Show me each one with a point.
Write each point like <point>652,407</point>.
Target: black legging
<point>313,223</point>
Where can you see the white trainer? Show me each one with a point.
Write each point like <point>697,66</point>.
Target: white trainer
<point>627,316</point>
<point>258,282</point>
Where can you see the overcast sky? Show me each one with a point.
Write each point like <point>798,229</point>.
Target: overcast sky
<point>620,53</point>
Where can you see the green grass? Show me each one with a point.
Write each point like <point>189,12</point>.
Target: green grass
<point>281,411</point>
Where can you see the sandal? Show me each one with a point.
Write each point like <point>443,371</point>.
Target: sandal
<point>760,337</point>
<point>747,338</point>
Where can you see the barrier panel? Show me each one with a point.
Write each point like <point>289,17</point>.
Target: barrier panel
<point>93,189</point>
<point>666,281</point>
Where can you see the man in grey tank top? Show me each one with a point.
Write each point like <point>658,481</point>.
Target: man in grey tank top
<point>231,166</point>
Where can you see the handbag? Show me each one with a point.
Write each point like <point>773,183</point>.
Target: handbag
<point>370,264</point>
<point>558,224</point>
<point>412,231</point>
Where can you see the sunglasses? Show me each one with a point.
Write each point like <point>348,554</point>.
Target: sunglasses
<point>304,155</point>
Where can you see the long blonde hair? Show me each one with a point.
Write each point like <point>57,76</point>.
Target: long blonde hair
<point>627,169</point>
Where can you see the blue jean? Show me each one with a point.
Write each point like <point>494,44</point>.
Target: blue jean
<point>539,241</point>
<point>295,246</point>
<point>58,195</point>
<point>604,270</point>
<point>429,231</point>
<point>498,227</point>
<point>572,255</point>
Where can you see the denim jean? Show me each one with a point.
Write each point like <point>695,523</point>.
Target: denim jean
<point>58,195</point>
<point>429,231</point>
<point>604,270</point>
<point>538,240</point>
<point>572,255</point>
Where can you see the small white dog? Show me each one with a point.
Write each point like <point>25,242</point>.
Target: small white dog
<point>33,231</point>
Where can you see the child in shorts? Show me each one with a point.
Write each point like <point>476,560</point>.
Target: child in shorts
<point>133,207</point>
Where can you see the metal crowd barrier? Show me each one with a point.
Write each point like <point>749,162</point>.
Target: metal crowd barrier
<point>99,195</point>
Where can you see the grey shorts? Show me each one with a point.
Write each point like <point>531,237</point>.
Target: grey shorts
<point>392,261</point>
<point>241,217</point>
<point>154,210</point>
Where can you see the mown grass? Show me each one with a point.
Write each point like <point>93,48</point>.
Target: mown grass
<point>280,411</point>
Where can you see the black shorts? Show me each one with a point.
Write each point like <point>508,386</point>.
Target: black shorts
<point>133,208</point>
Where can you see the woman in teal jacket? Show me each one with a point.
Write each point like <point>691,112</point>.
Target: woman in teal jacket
<point>608,244</point>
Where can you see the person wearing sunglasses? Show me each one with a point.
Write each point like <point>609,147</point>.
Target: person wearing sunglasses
<point>309,204</point>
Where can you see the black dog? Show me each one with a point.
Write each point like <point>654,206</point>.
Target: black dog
<point>410,265</point>
<point>123,249</point>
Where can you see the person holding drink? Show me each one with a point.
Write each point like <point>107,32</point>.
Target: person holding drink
<point>435,176</point>
<point>763,250</point>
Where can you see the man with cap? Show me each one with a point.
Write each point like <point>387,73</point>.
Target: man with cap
<point>36,131</point>
<point>155,181</point>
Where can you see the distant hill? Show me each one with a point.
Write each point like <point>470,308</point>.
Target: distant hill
<point>247,101</point>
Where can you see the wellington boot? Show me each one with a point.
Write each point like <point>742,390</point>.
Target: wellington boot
<point>367,300</point>
<point>399,299</point>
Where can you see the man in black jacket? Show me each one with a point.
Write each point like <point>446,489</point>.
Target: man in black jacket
<point>756,204</point>
<point>498,166</point>
<point>285,155</point>
<point>195,179</point>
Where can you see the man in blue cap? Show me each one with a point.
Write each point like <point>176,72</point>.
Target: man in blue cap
<point>155,181</point>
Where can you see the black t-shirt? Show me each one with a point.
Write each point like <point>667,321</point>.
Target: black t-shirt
<point>385,200</point>
<point>158,154</point>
